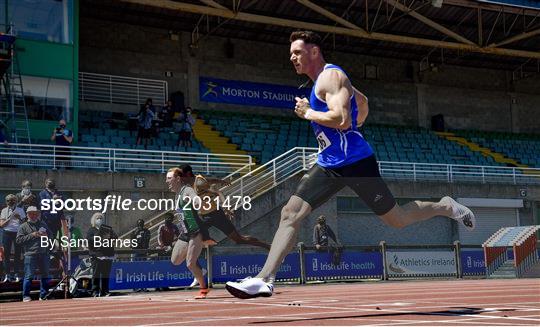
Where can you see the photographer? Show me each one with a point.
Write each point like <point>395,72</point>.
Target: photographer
<point>145,117</point>
<point>63,137</point>
<point>35,256</point>
<point>11,218</point>
<point>185,128</point>
<point>101,256</point>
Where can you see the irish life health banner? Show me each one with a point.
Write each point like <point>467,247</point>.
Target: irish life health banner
<point>249,93</point>
<point>412,263</point>
<point>149,274</point>
<point>352,264</point>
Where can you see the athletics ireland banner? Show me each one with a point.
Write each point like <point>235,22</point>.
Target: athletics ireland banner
<point>420,263</point>
<point>249,93</point>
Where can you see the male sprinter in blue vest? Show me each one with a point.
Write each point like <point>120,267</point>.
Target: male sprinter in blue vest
<point>335,109</point>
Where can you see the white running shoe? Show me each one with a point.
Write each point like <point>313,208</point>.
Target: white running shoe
<point>195,282</point>
<point>250,288</point>
<point>461,213</point>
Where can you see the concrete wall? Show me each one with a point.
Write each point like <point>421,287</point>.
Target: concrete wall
<point>262,221</point>
<point>363,228</point>
<point>469,98</point>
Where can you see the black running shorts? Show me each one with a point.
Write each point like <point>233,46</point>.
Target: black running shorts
<point>320,184</point>
<point>219,220</point>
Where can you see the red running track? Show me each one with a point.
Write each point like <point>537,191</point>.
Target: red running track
<point>412,303</point>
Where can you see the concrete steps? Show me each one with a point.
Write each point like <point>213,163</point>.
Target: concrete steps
<point>498,157</point>
<point>506,270</point>
<point>212,139</point>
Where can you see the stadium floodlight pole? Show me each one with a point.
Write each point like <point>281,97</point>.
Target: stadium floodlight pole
<point>261,19</point>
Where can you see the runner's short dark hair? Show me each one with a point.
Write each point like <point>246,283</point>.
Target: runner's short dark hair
<point>308,37</point>
<point>186,169</point>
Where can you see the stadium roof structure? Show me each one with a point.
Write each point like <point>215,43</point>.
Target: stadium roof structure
<point>500,34</point>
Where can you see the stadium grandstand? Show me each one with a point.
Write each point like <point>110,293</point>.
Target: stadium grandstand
<point>106,97</point>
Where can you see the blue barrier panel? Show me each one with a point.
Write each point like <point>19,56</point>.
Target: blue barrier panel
<point>472,262</point>
<point>353,264</point>
<point>149,274</point>
<point>233,267</point>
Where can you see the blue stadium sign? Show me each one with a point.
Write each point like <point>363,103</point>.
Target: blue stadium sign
<point>249,93</point>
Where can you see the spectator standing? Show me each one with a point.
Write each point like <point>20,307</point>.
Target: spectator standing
<point>63,137</point>
<point>167,114</point>
<point>11,217</point>
<point>145,117</point>
<point>35,256</point>
<point>53,220</point>
<point>26,198</point>
<point>185,128</point>
<point>101,257</point>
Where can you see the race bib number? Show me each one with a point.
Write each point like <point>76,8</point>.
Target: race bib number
<point>324,142</point>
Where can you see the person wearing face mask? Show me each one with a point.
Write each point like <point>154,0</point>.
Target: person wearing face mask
<point>53,220</point>
<point>26,197</point>
<point>35,255</point>
<point>64,138</point>
<point>101,256</point>
<point>11,218</point>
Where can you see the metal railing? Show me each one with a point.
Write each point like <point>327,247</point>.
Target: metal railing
<point>121,89</point>
<point>251,182</point>
<point>273,172</point>
<point>458,173</point>
<point>300,159</point>
<point>119,160</point>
